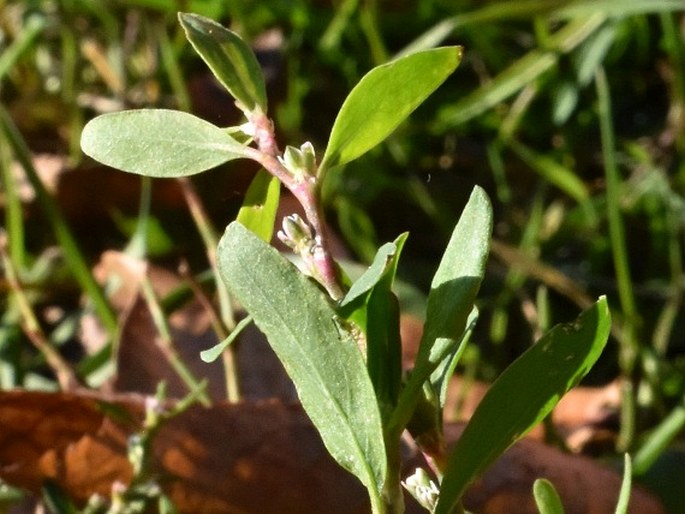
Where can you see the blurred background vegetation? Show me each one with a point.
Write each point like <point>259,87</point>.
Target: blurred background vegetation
<point>571,113</point>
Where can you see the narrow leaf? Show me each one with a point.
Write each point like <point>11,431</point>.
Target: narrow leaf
<point>557,174</point>
<point>213,353</point>
<point>523,395</point>
<point>258,212</point>
<point>451,298</point>
<point>383,99</point>
<point>372,275</point>
<point>158,142</point>
<point>320,356</point>
<point>440,378</point>
<point>231,60</point>
<point>383,340</point>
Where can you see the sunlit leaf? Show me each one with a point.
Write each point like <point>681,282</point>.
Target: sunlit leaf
<point>383,99</point>
<point>213,353</point>
<point>320,356</point>
<point>546,497</point>
<point>450,301</point>
<point>258,212</point>
<point>372,275</point>
<point>523,395</point>
<point>158,142</point>
<point>231,60</point>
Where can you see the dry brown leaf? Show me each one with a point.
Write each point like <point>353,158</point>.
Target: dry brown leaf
<point>143,358</point>
<point>65,438</point>
<point>256,458</point>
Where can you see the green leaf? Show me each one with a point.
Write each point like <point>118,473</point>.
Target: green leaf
<point>213,353</point>
<point>158,143</point>
<point>372,275</point>
<point>523,395</point>
<point>231,60</point>
<point>383,99</point>
<point>450,301</point>
<point>546,497</point>
<point>383,340</point>
<point>440,378</point>
<point>258,212</point>
<point>320,356</point>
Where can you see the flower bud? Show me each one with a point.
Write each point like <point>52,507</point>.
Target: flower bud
<point>296,234</point>
<point>302,162</point>
<point>423,489</point>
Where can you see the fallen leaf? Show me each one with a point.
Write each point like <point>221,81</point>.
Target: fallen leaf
<point>259,458</point>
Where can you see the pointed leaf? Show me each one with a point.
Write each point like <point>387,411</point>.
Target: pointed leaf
<point>231,60</point>
<point>372,275</point>
<point>383,99</point>
<point>213,353</point>
<point>451,298</point>
<point>320,356</point>
<point>523,395</point>
<point>158,143</point>
<point>258,212</point>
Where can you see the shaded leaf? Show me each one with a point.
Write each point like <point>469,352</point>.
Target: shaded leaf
<point>523,395</point>
<point>258,212</point>
<point>158,142</point>
<point>231,60</point>
<point>383,99</point>
<point>320,356</point>
<point>384,343</point>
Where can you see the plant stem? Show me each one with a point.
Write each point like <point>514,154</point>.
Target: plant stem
<point>630,346</point>
<point>66,377</point>
<point>306,191</point>
<point>211,241</point>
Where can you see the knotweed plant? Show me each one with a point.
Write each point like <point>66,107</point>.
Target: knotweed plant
<point>338,339</point>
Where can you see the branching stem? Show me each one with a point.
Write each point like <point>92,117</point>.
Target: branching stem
<point>305,189</point>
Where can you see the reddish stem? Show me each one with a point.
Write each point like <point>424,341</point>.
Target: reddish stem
<point>304,188</point>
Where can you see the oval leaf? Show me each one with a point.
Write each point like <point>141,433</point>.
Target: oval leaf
<point>158,142</point>
<point>384,98</point>
<point>547,498</point>
<point>523,395</point>
<point>231,60</point>
<point>320,356</point>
